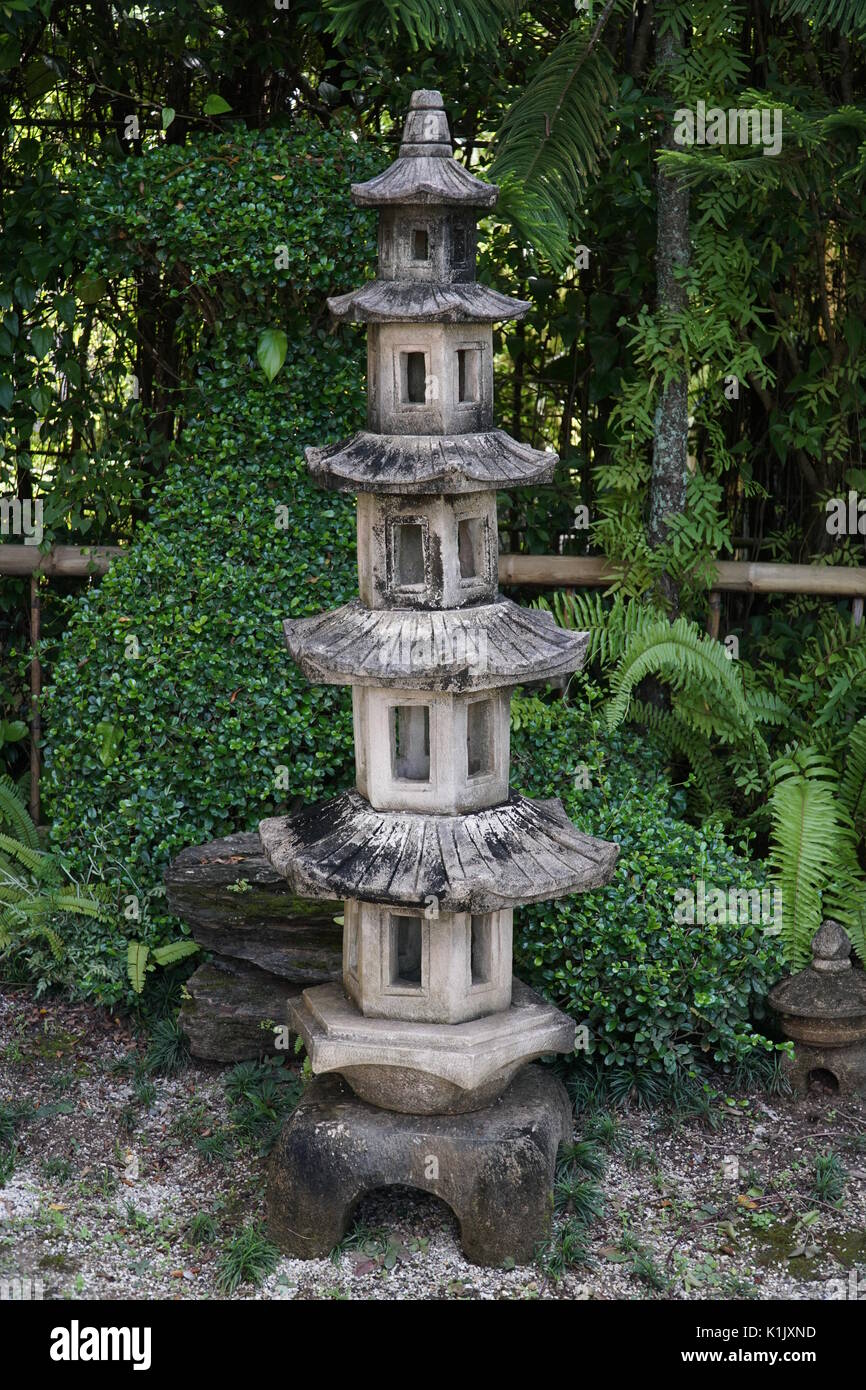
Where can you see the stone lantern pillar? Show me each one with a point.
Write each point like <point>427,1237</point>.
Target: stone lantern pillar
<point>430,852</point>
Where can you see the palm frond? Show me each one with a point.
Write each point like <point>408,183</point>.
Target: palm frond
<point>550,143</point>
<point>461,25</point>
<point>848,16</point>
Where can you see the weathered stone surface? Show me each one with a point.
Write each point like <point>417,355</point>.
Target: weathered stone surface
<point>418,301</point>
<point>446,969</point>
<point>493,1168</point>
<point>482,648</point>
<point>239,906</point>
<point>521,852</point>
<point>429,463</point>
<point>428,1068</point>
<point>435,580</point>
<point>435,728</point>
<point>229,1005</point>
<point>823,1009</point>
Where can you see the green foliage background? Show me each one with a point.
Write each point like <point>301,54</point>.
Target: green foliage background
<point>188,738</point>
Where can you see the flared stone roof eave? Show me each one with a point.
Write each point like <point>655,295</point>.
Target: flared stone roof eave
<point>483,647</point>
<point>425,301</point>
<point>428,463</point>
<point>486,861</point>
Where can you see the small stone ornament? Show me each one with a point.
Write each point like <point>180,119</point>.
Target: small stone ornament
<point>823,1009</point>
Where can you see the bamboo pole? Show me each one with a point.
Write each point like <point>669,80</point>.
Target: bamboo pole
<point>35,692</point>
<point>593,572</point>
<point>60,561</point>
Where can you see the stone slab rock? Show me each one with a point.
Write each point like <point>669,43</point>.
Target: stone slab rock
<point>493,1168</point>
<point>228,1004</point>
<point>237,905</point>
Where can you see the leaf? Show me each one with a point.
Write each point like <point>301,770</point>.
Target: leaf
<point>271,352</point>
<point>11,730</point>
<point>6,393</point>
<point>216,105</point>
<point>173,951</point>
<point>90,288</point>
<point>136,963</point>
<point>109,736</point>
<point>168,115</point>
<point>41,340</point>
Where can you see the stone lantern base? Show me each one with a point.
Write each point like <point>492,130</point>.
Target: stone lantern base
<point>493,1168</point>
<point>845,1065</point>
<point>427,1068</point>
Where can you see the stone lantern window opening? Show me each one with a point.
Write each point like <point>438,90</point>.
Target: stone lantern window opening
<point>420,244</point>
<point>480,756</point>
<point>481,949</point>
<point>472,547</point>
<point>469,374</point>
<point>351,934</point>
<point>414,373</point>
<point>410,742</point>
<point>459,246</point>
<point>408,553</point>
<point>406,952</point>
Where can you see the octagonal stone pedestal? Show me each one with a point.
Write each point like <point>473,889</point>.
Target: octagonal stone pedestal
<point>427,1068</point>
<point>493,1168</point>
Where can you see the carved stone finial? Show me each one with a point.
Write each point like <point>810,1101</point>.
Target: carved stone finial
<point>831,947</point>
<point>426,130</point>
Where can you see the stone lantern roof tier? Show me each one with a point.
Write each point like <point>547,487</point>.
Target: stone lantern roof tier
<point>425,171</point>
<point>486,647</point>
<point>411,464</point>
<point>504,856</point>
<point>426,301</point>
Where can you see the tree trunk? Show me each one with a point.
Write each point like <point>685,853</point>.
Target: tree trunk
<point>669,470</point>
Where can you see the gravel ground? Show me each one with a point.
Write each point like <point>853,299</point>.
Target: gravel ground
<point>108,1183</point>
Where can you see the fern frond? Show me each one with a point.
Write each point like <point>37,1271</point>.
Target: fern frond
<point>805,839</point>
<point>852,787</point>
<point>14,814</point>
<point>34,860</point>
<point>848,16</point>
<point>682,655</point>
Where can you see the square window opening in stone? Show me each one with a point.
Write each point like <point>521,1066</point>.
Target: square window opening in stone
<point>408,545</point>
<point>413,378</point>
<point>479,737</point>
<point>410,742</point>
<point>468,374</point>
<point>459,251</point>
<point>420,244</point>
<point>481,949</point>
<point>406,951</point>
<point>352,949</point>
<point>472,547</point>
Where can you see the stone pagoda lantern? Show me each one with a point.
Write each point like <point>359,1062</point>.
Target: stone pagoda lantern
<point>420,1054</point>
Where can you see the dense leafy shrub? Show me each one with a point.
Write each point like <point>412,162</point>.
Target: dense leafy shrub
<point>174,713</point>
<point>655,994</point>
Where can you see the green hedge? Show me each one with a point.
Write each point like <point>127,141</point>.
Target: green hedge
<point>188,739</point>
<point>655,995</point>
